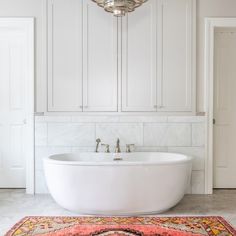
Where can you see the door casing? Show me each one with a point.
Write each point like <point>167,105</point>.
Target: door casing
<point>210,25</point>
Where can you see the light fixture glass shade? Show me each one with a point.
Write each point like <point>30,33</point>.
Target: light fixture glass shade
<point>119,7</point>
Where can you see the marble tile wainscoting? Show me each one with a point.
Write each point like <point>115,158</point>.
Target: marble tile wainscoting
<point>63,134</point>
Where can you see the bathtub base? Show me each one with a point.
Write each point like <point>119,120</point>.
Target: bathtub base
<point>140,184</point>
<point>100,213</point>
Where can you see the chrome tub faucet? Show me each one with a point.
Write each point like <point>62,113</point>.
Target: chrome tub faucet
<point>117,147</point>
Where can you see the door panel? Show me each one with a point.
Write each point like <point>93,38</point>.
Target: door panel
<point>139,45</point>
<point>100,72</point>
<point>14,104</point>
<point>225,109</point>
<point>65,55</point>
<point>16,76</point>
<point>221,144</point>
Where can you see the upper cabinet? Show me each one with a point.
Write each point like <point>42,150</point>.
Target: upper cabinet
<point>139,62</point>
<point>158,59</point>
<point>177,55</point>
<point>65,55</point>
<point>100,59</point>
<point>82,68</point>
<point>144,62</point>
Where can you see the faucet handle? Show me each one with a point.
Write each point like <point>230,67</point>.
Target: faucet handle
<point>98,141</point>
<point>128,147</point>
<point>107,147</point>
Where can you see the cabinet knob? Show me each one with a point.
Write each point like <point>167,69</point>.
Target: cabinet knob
<point>155,106</point>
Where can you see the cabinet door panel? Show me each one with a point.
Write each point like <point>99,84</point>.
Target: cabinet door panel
<point>139,59</point>
<point>100,59</point>
<point>176,34</point>
<point>65,55</point>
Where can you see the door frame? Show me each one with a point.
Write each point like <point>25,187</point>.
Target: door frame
<point>210,25</point>
<point>27,24</point>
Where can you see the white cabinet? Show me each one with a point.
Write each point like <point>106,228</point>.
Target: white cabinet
<point>100,59</point>
<point>82,57</point>
<point>177,55</point>
<point>144,62</point>
<point>158,61</point>
<point>139,31</point>
<point>65,55</point>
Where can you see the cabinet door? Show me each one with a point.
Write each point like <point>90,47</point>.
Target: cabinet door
<point>100,76</point>
<point>176,55</point>
<point>64,55</point>
<point>139,59</point>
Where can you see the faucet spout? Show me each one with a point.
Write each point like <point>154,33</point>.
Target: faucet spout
<point>117,149</point>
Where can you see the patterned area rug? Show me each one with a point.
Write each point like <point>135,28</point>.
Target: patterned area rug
<point>122,226</point>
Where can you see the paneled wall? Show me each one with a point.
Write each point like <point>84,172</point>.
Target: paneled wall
<point>63,134</point>
<point>36,8</point>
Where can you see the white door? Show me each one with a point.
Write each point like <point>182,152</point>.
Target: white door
<point>100,59</point>
<point>16,101</point>
<point>139,62</point>
<point>225,109</point>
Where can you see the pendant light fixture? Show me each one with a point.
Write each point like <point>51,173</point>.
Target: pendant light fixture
<point>119,7</point>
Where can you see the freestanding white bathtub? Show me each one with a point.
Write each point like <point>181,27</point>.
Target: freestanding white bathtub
<point>100,183</point>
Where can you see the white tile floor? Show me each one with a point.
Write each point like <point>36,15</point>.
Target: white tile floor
<point>14,205</point>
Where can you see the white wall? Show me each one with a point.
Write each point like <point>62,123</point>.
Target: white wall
<point>36,8</point>
<point>208,8</point>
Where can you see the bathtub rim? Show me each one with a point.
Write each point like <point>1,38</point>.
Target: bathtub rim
<point>187,159</point>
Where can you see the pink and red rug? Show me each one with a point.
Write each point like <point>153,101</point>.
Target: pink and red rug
<point>122,226</point>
